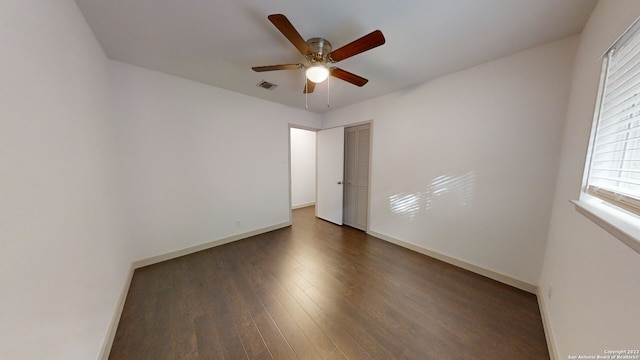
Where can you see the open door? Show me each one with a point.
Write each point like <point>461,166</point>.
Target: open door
<point>330,174</point>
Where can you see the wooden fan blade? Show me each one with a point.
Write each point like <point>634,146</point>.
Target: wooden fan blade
<point>286,28</point>
<point>309,88</point>
<point>277,67</point>
<point>348,77</point>
<point>356,47</point>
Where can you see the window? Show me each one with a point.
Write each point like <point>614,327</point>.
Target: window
<point>614,163</point>
<point>611,185</point>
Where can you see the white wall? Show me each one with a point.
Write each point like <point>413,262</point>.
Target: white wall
<point>595,303</point>
<point>102,164</point>
<point>187,160</point>
<point>197,159</point>
<point>63,258</point>
<point>303,167</point>
<point>465,165</point>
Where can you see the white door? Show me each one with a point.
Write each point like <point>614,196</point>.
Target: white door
<point>330,162</point>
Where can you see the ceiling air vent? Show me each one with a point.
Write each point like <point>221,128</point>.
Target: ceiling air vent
<point>267,85</point>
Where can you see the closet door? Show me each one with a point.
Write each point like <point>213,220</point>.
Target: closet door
<point>356,191</point>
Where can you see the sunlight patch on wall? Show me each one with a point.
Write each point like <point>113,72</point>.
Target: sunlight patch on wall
<point>445,194</point>
<point>407,204</point>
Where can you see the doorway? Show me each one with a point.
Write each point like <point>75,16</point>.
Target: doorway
<point>343,161</point>
<point>302,175</point>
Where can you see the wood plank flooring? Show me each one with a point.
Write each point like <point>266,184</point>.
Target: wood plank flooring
<point>320,291</point>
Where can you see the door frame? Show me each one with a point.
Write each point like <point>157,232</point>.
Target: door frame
<point>358,123</point>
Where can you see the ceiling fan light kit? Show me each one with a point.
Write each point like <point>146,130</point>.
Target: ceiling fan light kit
<point>317,73</point>
<point>318,53</point>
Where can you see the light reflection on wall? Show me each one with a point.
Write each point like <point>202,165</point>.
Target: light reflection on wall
<point>405,204</point>
<point>445,194</point>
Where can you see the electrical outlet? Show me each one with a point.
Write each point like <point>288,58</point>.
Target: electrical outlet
<point>549,291</point>
<point>238,223</point>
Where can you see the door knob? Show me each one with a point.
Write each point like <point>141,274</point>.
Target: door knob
<point>339,182</point>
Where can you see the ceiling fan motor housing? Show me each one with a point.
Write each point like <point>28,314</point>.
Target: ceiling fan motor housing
<point>320,48</point>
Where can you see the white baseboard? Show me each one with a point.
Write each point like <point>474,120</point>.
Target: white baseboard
<point>192,249</point>
<point>113,326</point>
<point>548,332</point>
<point>115,319</point>
<point>460,263</point>
<point>300,206</point>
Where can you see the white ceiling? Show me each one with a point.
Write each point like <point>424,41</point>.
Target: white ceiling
<point>218,41</point>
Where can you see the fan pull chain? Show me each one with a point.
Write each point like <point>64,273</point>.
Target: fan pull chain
<point>328,87</point>
<point>306,93</point>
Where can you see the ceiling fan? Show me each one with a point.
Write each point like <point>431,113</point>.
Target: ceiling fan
<point>319,54</point>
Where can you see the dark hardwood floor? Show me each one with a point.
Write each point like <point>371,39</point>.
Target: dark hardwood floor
<point>320,291</point>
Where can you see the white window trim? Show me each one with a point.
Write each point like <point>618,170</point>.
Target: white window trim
<point>624,226</point>
<point>620,223</point>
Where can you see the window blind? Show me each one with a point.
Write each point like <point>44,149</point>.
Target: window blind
<point>614,171</point>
